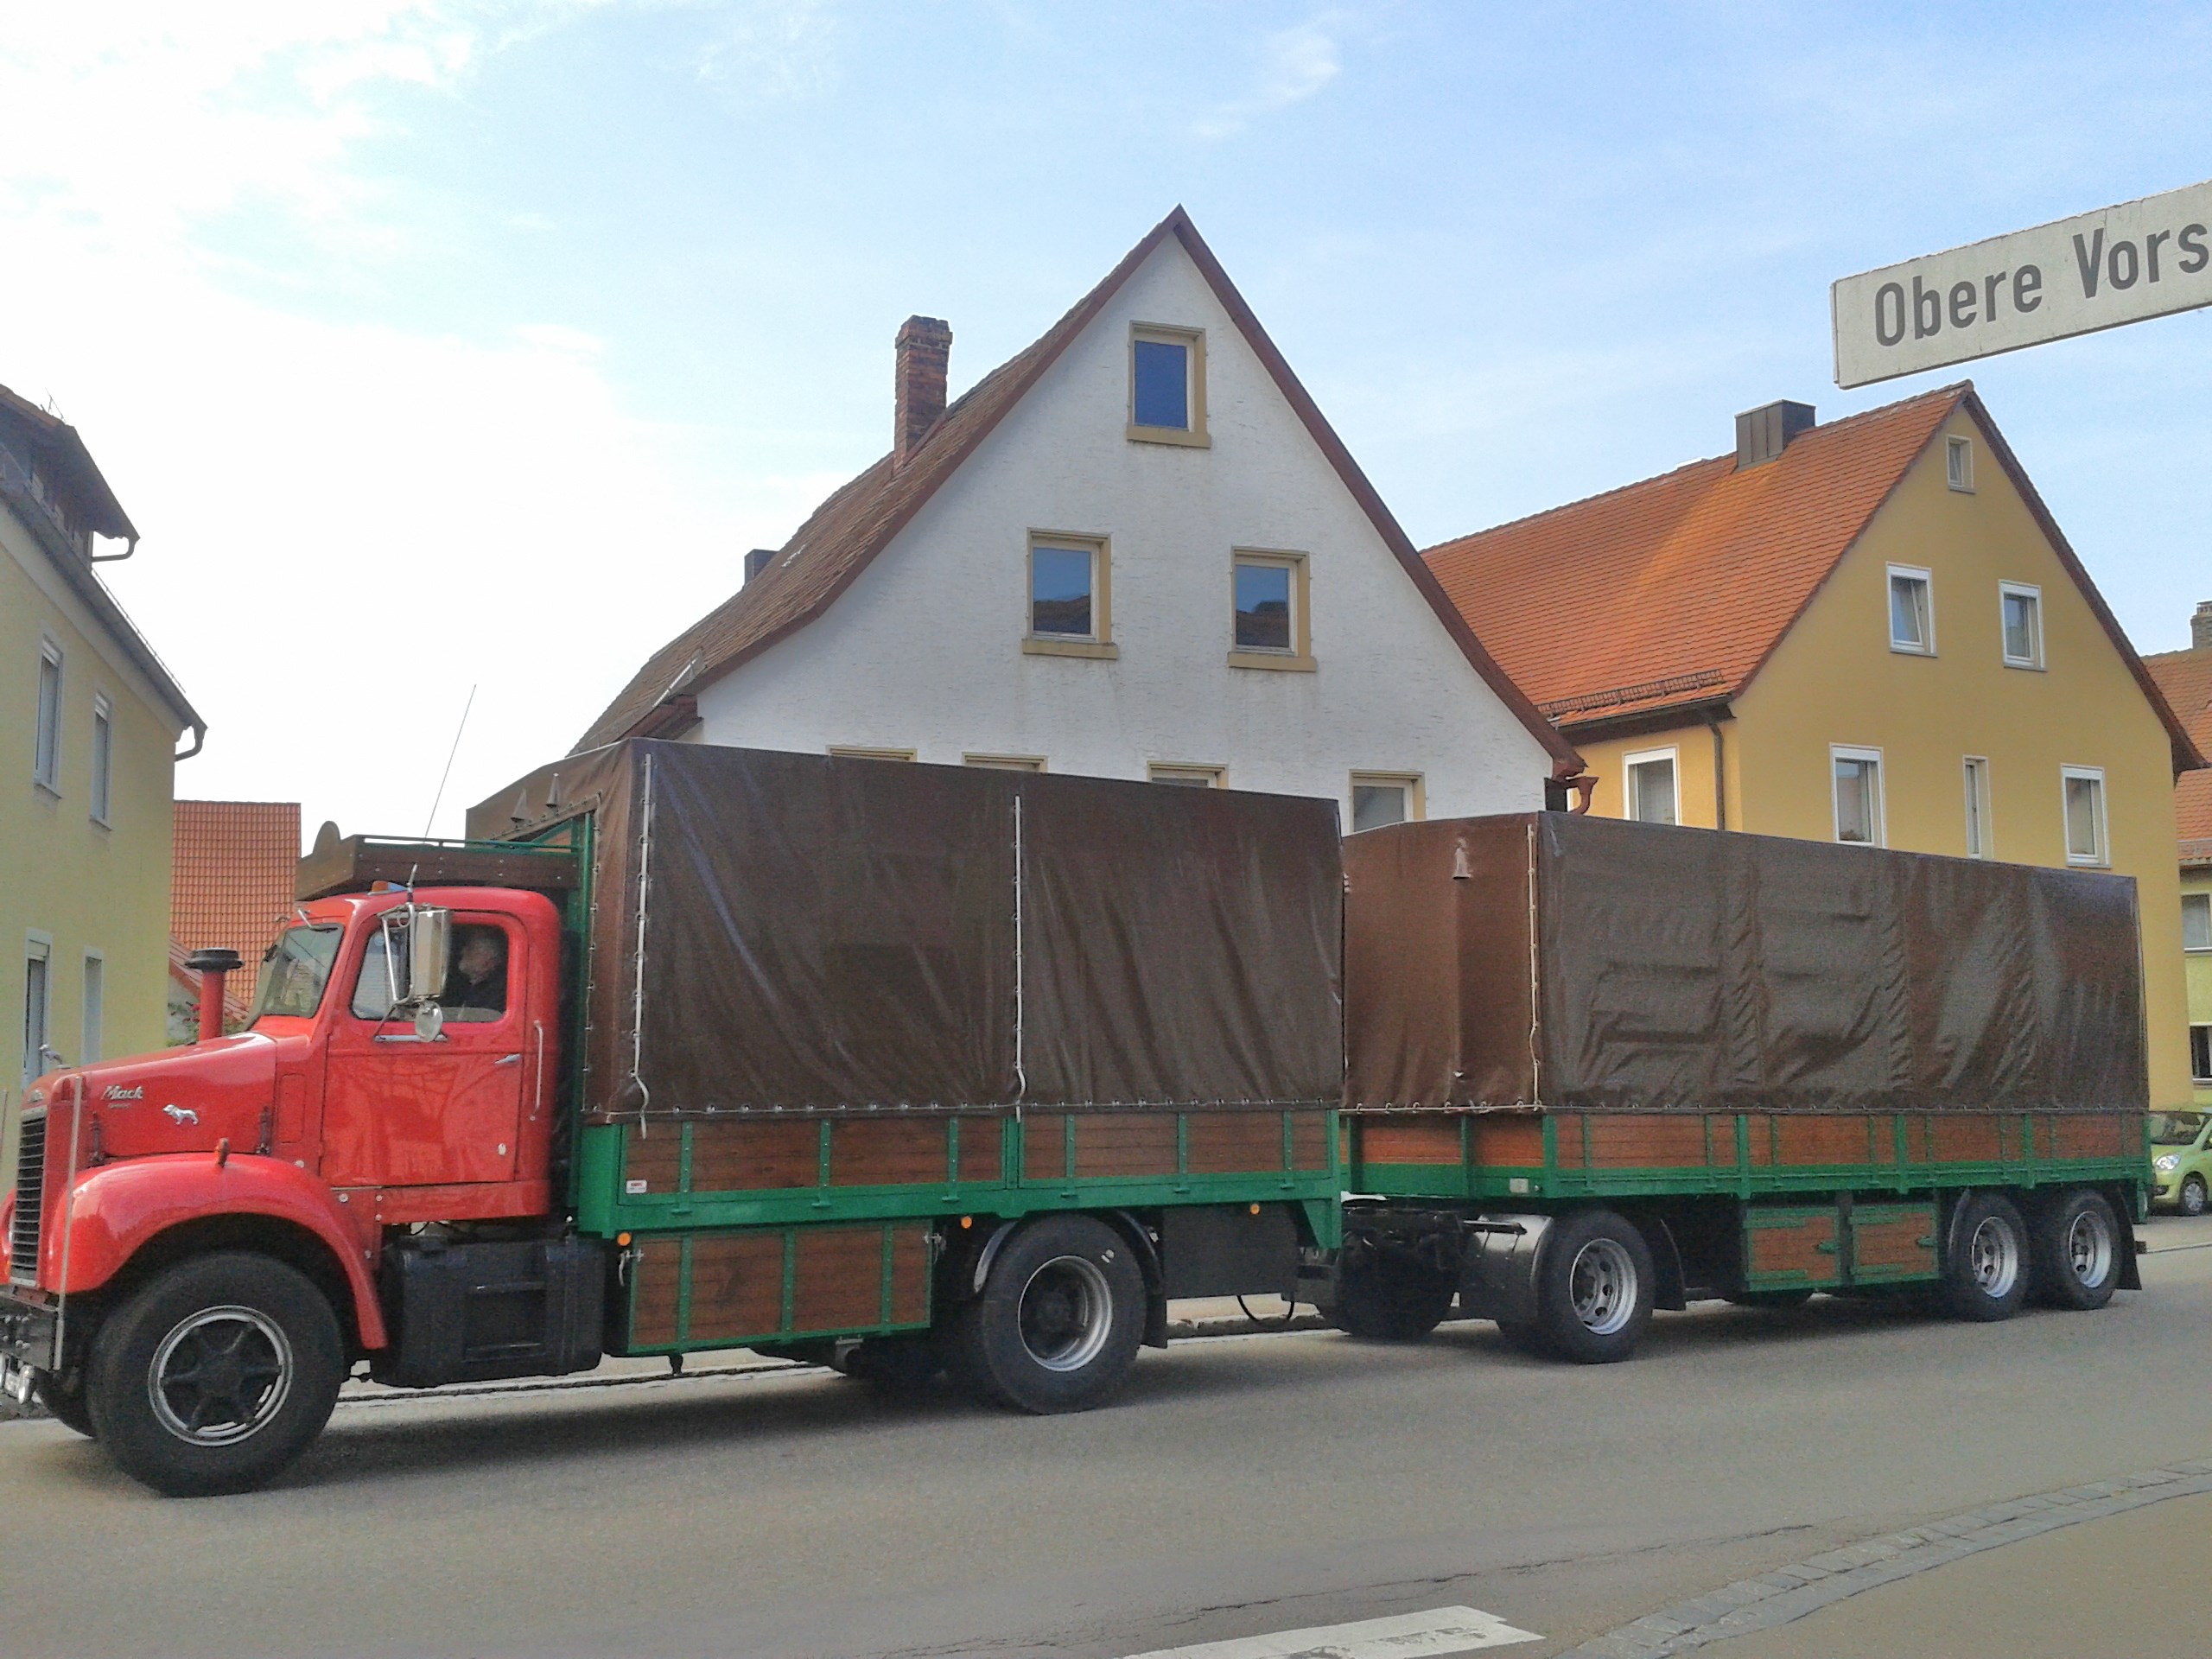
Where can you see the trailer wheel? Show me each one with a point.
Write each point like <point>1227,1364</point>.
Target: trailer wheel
<point>2076,1245</point>
<point>1594,1288</point>
<point>1985,1270</point>
<point>1060,1319</point>
<point>215,1374</point>
<point>1379,1298</point>
<point>66,1406</point>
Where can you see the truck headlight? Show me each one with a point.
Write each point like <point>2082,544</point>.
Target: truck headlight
<point>2166,1160</point>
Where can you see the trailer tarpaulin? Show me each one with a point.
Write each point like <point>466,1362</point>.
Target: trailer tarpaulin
<point>776,932</point>
<point>1595,964</point>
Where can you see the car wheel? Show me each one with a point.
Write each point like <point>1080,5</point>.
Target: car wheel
<point>2194,1196</point>
<point>2076,1243</point>
<point>1060,1319</point>
<point>1985,1270</point>
<point>215,1374</point>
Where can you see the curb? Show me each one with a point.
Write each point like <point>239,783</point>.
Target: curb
<point>1790,1594</point>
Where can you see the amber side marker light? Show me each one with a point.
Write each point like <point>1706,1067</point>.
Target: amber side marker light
<point>1256,1209</point>
<point>622,1240</point>
<point>967,1220</point>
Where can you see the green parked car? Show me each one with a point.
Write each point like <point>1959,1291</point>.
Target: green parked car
<point>2181,1148</point>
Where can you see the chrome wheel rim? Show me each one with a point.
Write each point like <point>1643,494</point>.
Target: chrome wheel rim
<point>2089,1250</point>
<point>2192,1196</point>
<point>1067,1309</point>
<point>220,1375</point>
<point>1994,1255</point>
<point>1602,1286</point>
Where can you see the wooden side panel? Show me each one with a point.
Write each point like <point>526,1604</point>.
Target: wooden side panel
<point>982,1144</point>
<point>1959,1139</point>
<point>1759,1133</point>
<point>1802,1140</point>
<point>1044,1147</point>
<point>737,1286</point>
<point>656,1158</point>
<point>1309,1140</point>
<point>909,1275</point>
<point>1516,1143</point>
<point>2097,1136</point>
<point>1111,1144</point>
<point>1892,1241</point>
<point>658,1277</point>
<point>1644,1141</point>
<point>839,1281</point>
<point>1433,1140</point>
<point>1790,1248</point>
<point>1227,1143</point>
<point>888,1151</point>
<point>736,1155</point>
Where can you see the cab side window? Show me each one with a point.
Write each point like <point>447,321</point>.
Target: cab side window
<point>476,988</point>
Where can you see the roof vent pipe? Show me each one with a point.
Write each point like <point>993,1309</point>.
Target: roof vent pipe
<point>1763,433</point>
<point>925,348</point>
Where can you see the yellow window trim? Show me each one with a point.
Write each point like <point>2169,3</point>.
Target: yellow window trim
<point>1196,436</point>
<point>1299,659</point>
<point>1099,642</point>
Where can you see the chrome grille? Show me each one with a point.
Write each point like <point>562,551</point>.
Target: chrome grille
<point>30,1200</point>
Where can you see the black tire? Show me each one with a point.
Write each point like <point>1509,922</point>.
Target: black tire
<point>1594,1288</point>
<point>1523,1334</point>
<point>215,1374</point>
<point>1385,1299</point>
<point>2076,1243</point>
<point>895,1365</point>
<point>1780,1299</point>
<point>1986,1265</point>
<point>2193,1196</point>
<point>66,1406</point>
<point>1061,1316</point>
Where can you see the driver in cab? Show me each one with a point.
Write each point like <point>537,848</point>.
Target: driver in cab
<point>476,990</point>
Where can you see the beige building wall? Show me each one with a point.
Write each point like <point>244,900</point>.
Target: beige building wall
<point>2196,970</point>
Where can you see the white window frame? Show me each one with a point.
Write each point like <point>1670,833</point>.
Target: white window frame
<point>1187,773</point>
<point>1927,580</point>
<point>2026,590</point>
<point>1857,752</point>
<point>47,721</point>
<point>1298,654</point>
<point>1415,785</point>
<point>2101,858</point>
<point>1671,755</point>
<point>1981,840</point>
<point>1193,341</point>
<point>99,791</point>
<point>1958,464</point>
<point>1099,642</point>
<point>92,1013</point>
<point>38,946</point>
<point>2204,903</point>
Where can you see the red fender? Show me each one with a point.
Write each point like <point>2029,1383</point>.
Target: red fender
<point>119,1208</point>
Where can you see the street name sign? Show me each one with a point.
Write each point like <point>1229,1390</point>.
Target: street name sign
<point>2144,258</point>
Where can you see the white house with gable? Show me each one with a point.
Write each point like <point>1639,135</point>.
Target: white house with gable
<point>1134,551</point>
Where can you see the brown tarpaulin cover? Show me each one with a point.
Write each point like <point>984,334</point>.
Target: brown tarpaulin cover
<point>1677,970</point>
<point>828,934</point>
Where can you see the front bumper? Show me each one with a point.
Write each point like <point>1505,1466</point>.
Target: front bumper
<point>27,1334</point>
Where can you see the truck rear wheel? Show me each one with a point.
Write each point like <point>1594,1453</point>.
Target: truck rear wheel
<point>215,1374</point>
<point>1985,1270</point>
<point>2076,1245</point>
<point>1594,1288</point>
<point>1384,1299</point>
<point>1060,1319</point>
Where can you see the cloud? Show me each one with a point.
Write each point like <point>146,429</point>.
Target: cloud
<point>1294,64</point>
<point>766,50</point>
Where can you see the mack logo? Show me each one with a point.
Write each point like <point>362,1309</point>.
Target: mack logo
<point>117,1091</point>
<point>180,1116</point>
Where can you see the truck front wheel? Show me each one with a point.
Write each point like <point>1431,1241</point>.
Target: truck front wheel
<point>1594,1288</point>
<point>1060,1319</point>
<point>66,1405</point>
<point>215,1374</point>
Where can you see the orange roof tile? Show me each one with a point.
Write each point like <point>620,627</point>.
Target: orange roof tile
<point>2186,678</point>
<point>235,864</point>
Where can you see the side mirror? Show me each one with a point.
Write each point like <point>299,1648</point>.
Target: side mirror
<point>430,1020</point>
<point>430,958</point>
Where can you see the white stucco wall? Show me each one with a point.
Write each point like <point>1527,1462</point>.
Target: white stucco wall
<point>924,651</point>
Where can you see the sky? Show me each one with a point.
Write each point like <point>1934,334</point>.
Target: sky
<point>453,347</point>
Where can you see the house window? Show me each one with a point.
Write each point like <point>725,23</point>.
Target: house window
<point>88,1041</point>
<point>1005,762</point>
<point>1654,792</point>
<point>103,756</point>
<point>2022,610</point>
<point>46,752</point>
<point>1857,783</point>
<point>1167,384</point>
<point>1069,596</point>
<point>1977,781</point>
<point>1189,777</point>
<point>1268,611</point>
<point>1912,611</point>
<point>2200,1054</point>
<point>2196,921</point>
<point>2084,788</point>
<point>38,1005</point>
<point>1385,798</point>
<point>856,752</point>
<point>1958,463</point>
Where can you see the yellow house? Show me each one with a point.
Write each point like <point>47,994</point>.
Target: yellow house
<point>2186,678</point>
<point>1871,631</point>
<point>90,723</point>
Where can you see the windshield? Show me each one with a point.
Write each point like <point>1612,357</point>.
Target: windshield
<point>296,970</point>
<point>2175,1129</point>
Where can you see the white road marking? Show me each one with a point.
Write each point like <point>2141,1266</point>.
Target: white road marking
<point>1407,1636</point>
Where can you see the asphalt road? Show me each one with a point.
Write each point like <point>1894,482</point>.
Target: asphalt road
<point>1244,1485</point>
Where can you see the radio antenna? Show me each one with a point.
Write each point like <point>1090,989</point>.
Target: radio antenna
<point>438,797</point>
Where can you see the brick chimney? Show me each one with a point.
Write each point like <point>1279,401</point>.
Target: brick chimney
<point>925,347</point>
<point>1763,433</point>
<point>2200,625</point>
<point>758,560</point>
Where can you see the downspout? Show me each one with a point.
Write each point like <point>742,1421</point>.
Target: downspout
<point>199,742</point>
<point>1720,774</point>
